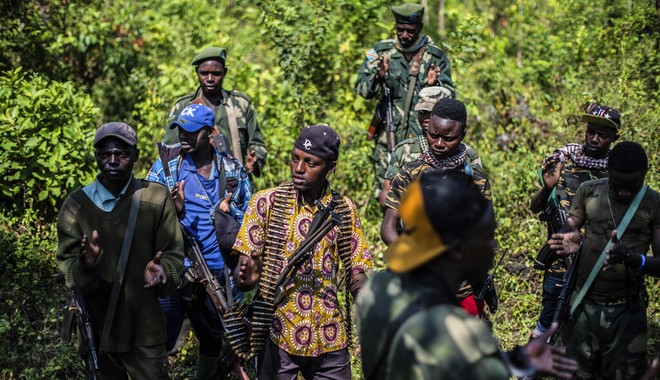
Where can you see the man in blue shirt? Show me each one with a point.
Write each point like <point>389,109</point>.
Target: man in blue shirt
<point>196,172</point>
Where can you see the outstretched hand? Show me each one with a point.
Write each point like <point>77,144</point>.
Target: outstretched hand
<point>154,274</point>
<point>548,359</point>
<point>90,249</point>
<point>250,161</point>
<point>566,243</point>
<point>247,272</point>
<point>432,75</point>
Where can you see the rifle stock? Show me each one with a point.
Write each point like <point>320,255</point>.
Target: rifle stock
<point>76,316</point>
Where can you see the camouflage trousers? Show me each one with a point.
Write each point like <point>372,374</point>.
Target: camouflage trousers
<point>608,341</point>
<point>380,165</point>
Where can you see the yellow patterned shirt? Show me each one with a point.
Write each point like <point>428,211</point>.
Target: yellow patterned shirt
<point>308,321</point>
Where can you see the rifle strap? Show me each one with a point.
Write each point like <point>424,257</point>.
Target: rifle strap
<point>121,268</point>
<point>599,263</point>
<point>412,81</point>
<point>233,128</point>
<point>552,198</point>
<point>166,154</point>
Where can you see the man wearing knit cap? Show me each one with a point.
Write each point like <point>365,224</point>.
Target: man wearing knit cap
<point>405,65</point>
<point>304,329</point>
<point>559,178</point>
<point>121,277</point>
<point>235,118</point>
<point>409,324</point>
<point>410,149</point>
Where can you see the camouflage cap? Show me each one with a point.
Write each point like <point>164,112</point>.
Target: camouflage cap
<point>428,96</point>
<point>408,13</point>
<point>216,53</point>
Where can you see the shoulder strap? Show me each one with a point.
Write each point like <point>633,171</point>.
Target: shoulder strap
<point>599,263</point>
<point>222,180</point>
<point>423,302</point>
<point>412,80</point>
<point>233,129</point>
<point>552,198</point>
<point>121,268</point>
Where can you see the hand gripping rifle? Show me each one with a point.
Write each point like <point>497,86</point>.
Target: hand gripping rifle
<point>199,272</point>
<point>76,312</point>
<point>222,299</point>
<point>555,217</point>
<point>487,291</point>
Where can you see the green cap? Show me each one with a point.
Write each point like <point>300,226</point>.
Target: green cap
<point>217,53</point>
<point>408,13</point>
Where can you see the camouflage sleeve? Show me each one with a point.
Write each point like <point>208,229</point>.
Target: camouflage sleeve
<point>393,166</point>
<point>397,188</point>
<point>172,135</point>
<point>473,158</point>
<point>481,180</point>
<point>366,85</point>
<point>255,138</point>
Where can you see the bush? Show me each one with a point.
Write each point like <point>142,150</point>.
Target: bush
<point>46,130</point>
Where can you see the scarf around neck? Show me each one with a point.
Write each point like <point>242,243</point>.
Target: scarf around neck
<point>576,153</point>
<point>448,163</point>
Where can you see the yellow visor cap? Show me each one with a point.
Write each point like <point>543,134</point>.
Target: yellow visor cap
<point>419,242</point>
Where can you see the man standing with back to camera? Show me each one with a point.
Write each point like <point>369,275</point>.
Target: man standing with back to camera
<point>235,118</point>
<point>405,65</point>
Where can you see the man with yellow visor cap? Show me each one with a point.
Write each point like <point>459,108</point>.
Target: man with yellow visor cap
<point>409,323</point>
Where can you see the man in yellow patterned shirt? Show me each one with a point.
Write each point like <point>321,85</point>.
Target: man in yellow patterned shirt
<point>306,330</point>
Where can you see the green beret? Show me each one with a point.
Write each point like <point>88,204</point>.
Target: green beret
<point>408,13</point>
<point>217,53</point>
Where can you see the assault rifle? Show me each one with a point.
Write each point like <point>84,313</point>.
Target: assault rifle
<point>555,217</point>
<point>390,128</point>
<point>199,272</point>
<point>77,317</point>
<point>563,308</point>
<point>323,222</point>
<point>487,291</point>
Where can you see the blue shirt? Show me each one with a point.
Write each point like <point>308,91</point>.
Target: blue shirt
<point>200,213</point>
<point>200,194</point>
<point>101,196</point>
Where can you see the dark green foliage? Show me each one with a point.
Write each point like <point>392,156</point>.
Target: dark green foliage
<point>46,130</point>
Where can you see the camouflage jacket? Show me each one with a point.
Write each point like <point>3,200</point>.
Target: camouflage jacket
<point>409,150</point>
<point>248,126</point>
<point>571,177</point>
<point>440,342</point>
<point>397,80</point>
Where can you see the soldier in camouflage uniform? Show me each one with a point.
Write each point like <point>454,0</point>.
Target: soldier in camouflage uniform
<point>408,322</point>
<point>562,173</point>
<point>409,150</point>
<point>235,118</point>
<point>608,333</point>
<point>405,64</point>
<point>445,152</point>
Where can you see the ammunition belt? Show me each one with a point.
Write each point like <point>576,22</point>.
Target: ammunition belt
<point>248,339</point>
